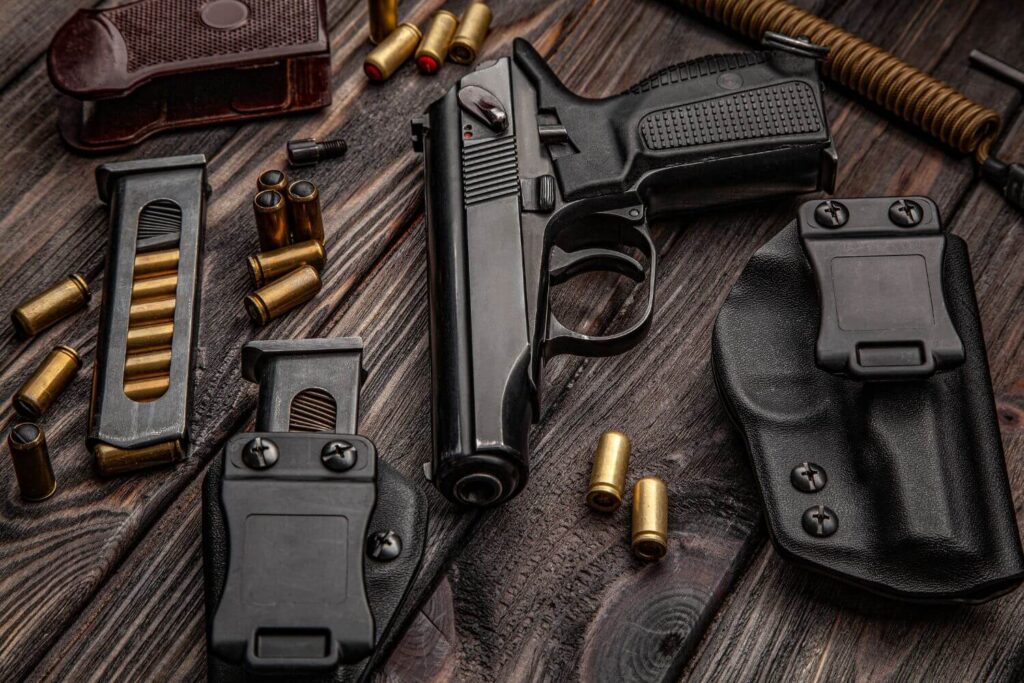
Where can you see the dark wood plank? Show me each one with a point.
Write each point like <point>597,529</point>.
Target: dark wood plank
<point>546,590</point>
<point>782,623</point>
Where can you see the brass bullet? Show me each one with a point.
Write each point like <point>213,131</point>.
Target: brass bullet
<point>150,263</point>
<point>383,19</point>
<point>280,296</point>
<point>31,461</point>
<point>43,387</point>
<point>271,219</point>
<point>150,337</point>
<point>271,265</point>
<point>384,60</point>
<point>146,364</point>
<point>304,212</point>
<point>272,180</point>
<point>112,461</point>
<point>608,476</point>
<point>469,38</point>
<point>146,388</point>
<point>51,306</point>
<point>159,287</point>
<point>433,49</point>
<point>151,311</point>
<point>650,519</point>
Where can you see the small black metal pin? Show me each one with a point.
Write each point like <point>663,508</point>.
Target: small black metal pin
<point>309,151</point>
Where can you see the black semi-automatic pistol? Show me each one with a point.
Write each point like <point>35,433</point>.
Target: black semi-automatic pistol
<point>528,185</point>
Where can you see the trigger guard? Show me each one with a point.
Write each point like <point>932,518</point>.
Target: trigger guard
<point>566,265</point>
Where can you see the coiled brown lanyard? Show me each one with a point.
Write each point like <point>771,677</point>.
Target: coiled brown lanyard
<point>891,83</point>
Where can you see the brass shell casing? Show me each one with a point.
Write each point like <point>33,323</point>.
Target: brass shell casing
<point>31,459</point>
<point>469,38</point>
<point>384,60</point>
<point>272,180</point>
<point>271,219</point>
<point>304,212</point>
<point>650,519</point>
<point>112,461</point>
<point>151,263</point>
<point>383,19</point>
<point>159,287</point>
<point>608,476</point>
<point>51,306</point>
<point>148,312</point>
<point>433,48</point>
<point>146,388</point>
<point>280,296</point>
<point>150,337</point>
<point>146,364</point>
<point>43,387</point>
<point>268,266</point>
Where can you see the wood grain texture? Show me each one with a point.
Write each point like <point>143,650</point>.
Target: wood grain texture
<point>104,581</point>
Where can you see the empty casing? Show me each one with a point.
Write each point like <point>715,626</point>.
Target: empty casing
<point>273,264</point>
<point>151,311</point>
<point>51,306</point>
<point>45,384</point>
<point>150,337</point>
<point>146,388</point>
<point>650,519</point>
<point>147,364</point>
<point>271,219</point>
<point>383,19</point>
<point>433,48</point>
<point>280,296</point>
<point>31,461</point>
<point>384,60</point>
<point>608,476</point>
<point>304,211</point>
<point>272,180</point>
<point>159,287</point>
<point>153,263</point>
<point>112,461</point>
<point>469,37</point>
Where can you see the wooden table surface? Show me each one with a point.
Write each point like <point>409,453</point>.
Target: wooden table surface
<point>104,580</point>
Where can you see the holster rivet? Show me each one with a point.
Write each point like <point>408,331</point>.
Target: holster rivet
<point>384,546</point>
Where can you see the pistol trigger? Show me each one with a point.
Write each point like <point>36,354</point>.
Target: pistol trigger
<point>567,264</point>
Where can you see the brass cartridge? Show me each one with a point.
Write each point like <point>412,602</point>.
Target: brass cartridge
<point>271,265</point>
<point>384,60</point>
<point>608,476</point>
<point>433,49</point>
<point>383,19</point>
<point>146,388</point>
<point>51,306</point>
<point>163,262</point>
<point>31,459</point>
<point>112,461</point>
<point>150,337</point>
<point>469,38</point>
<point>271,219</point>
<point>272,180</point>
<point>43,387</point>
<point>146,364</point>
<point>280,296</point>
<point>159,287</point>
<point>304,211</point>
<point>151,311</point>
<point>650,519</point>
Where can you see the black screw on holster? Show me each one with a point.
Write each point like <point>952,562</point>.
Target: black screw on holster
<point>308,151</point>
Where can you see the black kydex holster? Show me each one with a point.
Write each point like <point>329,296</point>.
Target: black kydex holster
<point>310,541</point>
<point>850,356</point>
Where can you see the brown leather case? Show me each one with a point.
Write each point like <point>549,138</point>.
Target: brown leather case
<point>130,71</point>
